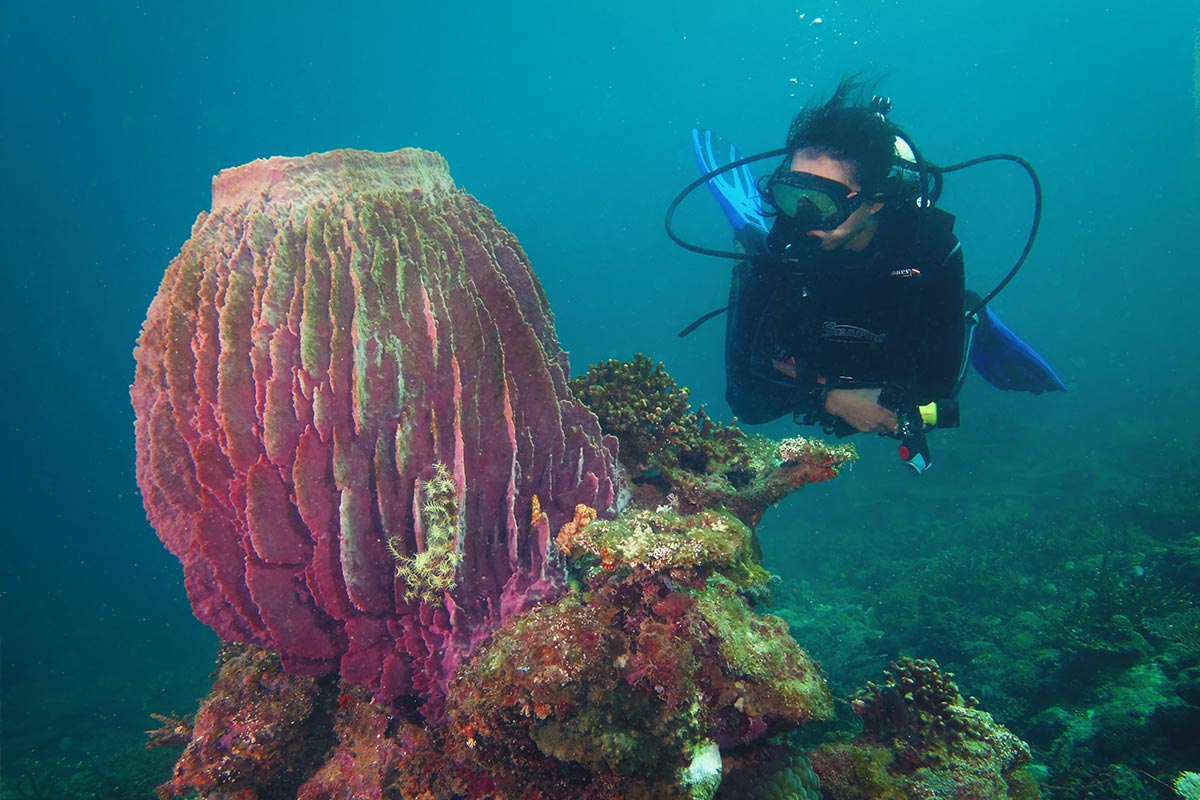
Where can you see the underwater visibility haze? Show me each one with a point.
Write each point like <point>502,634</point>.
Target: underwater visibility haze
<point>383,427</point>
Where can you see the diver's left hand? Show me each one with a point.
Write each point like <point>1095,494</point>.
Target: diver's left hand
<point>861,410</point>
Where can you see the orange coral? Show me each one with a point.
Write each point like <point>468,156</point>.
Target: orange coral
<point>566,534</point>
<point>535,511</point>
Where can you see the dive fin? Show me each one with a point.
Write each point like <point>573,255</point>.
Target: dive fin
<point>1008,363</point>
<point>734,191</point>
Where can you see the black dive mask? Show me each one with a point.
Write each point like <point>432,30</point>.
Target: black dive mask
<point>806,202</point>
<point>813,202</point>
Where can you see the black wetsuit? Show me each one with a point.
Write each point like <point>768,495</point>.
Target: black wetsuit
<point>889,315</point>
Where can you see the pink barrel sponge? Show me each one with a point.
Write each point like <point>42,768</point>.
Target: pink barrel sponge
<point>340,331</point>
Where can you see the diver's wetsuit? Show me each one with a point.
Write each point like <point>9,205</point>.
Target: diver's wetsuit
<point>891,314</point>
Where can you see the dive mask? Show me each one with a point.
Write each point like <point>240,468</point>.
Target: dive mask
<point>812,202</point>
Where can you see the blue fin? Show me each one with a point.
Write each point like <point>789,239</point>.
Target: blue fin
<point>1008,363</point>
<point>734,191</point>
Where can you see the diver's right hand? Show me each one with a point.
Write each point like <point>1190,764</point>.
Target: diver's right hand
<point>861,410</point>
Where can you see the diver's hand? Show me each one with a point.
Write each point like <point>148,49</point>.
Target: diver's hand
<point>861,410</point>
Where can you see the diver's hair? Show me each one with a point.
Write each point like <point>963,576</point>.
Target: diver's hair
<point>845,127</point>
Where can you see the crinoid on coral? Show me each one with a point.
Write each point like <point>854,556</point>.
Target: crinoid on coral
<point>683,457</point>
<point>920,739</point>
<point>433,571</point>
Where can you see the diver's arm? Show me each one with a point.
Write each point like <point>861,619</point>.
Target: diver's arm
<point>832,408</point>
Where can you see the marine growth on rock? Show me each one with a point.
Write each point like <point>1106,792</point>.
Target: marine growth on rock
<point>355,431</point>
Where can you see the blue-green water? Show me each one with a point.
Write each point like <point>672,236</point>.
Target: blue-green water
<point>573,123</point>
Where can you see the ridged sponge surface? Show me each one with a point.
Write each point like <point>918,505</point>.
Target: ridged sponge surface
<point>341,332</point>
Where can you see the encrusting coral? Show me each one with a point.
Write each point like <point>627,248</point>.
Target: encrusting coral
<point>662,540</point>
<point>613,690</point>
<point>256,731</point>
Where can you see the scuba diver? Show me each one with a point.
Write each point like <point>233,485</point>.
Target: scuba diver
<point>848,308</point>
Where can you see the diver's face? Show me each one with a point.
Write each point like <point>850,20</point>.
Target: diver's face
<point>859,228</point>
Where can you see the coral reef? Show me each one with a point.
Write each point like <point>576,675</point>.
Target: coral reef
<point>1072,616</point>
<point>634,683</point>
<point>618,690</point>
<point>920,739</point>
<point>681,457</point>
<point>336,328</point>
<point>255,734</point>
<point>355,431</point>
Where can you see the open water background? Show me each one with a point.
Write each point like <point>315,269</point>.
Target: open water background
<point>571,121</point>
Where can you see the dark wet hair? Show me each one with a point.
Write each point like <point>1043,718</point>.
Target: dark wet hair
<point>844,127</point>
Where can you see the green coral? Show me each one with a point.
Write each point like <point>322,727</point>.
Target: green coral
<point>433,571</point>
<point>640,404</point>
<point>663,540</point>
<point>760,650</point>
<point>1187,785</point>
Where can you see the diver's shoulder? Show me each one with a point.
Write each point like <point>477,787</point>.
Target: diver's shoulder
<point>934,233</point>
<point>935,222</point>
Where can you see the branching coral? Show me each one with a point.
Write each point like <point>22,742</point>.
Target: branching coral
<point>640,404</point>
<point>917,703</point>
<point>433,570</point>
<point>921,739</point>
